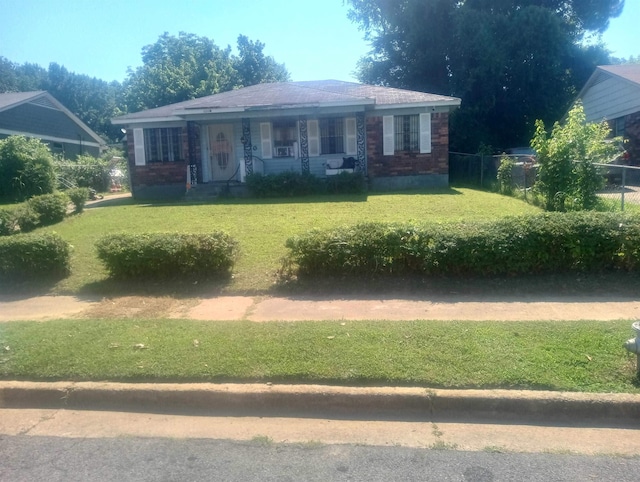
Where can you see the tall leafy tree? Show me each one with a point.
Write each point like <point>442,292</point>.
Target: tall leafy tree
<point>189,66</point>
<point>511,61</point>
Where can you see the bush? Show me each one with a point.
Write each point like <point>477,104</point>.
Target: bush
<point>167,255</point>
<point>346,183</point>
<point>33,256</point>
<point>79,197</point>
<point>8,222</point>
<point>26,168</point>
<point>548,243</point>
<point>505,175</point>
<point>26,218</point>
<point>86,171</point>
<point>284,184</point>
<point>50,208</point>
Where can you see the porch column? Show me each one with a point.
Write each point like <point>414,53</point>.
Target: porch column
<point>195,174</point>
<point>248,147</point>
<point>304,144</point>
<point>361,163</point>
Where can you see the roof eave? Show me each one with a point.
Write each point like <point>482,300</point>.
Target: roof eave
<point>436,103</point>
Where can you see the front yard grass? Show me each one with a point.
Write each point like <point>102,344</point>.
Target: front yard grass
<point>573,356</point>
<point>262,227</point>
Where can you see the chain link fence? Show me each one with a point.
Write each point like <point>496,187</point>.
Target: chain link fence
<point>622,183</point>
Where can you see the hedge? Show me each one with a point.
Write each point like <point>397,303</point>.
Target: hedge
<point>167,255</point>
<point>30,256</point>
<point>545,243</point>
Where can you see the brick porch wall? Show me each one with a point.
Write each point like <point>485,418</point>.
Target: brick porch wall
<point>405,163</point>
<point>158,173</point>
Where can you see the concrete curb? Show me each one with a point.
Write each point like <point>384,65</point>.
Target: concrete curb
<point>327,401</point>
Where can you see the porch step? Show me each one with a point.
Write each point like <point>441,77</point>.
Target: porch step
<point>213,190</point>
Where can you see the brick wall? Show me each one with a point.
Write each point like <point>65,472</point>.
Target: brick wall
<point>405,163</point>
<point>158,173</point>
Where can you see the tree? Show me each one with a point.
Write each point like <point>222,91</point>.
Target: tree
<point>26,168</point>
<point>567,158</point>
<point>511,61</point>
<point>253,67</point>
<point>188,66</point>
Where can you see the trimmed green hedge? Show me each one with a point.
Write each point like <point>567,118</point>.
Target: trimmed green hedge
<point>546,243</point>
<point>32,256</point>
<point>167,255</point>
<point>295,184</point>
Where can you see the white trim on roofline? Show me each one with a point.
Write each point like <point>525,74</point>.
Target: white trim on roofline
<point>50,138</point>
<point>435,103</point>
<point>145,120</point>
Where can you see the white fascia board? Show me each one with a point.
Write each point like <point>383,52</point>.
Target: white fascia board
<point>190,112</point>
<point>439,103</point>
<point>148,120</point>
<point>50,138</point>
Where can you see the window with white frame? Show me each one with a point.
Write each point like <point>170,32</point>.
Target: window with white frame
<point>332,135</point>
<point>163,144</point>
<point>285,135</point>
<point>406,133</point>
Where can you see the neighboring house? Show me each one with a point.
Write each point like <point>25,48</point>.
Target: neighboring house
<point>612,93</point>
<point>38,114</point>
<point>397,138</point>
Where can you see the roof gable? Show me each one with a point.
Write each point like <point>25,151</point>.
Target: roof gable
<point>17,101</point>
<point>611,92</point>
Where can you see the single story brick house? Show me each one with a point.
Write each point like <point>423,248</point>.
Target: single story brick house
<point>39,115</point>
<point>398,138</point>
<point>612,93</point>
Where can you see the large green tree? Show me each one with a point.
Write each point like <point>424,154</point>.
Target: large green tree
<point>511,61</point>
<point>189,66</point>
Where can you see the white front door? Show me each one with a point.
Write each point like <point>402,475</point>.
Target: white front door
<point>222,161</point>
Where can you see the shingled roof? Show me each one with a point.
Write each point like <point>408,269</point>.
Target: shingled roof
<point>284,95</point>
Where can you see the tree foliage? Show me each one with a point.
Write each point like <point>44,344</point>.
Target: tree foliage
<point>188,66</point>
<point>173,69</point>
<point>568,176</point>
<point>511,61</point>
<point>26,168</point>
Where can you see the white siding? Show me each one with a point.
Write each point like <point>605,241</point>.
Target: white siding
<point>610,99</point>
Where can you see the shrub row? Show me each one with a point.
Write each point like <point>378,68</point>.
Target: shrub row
<point>294,184</point>
<point>547,243</point>
<point>38,211</point>
<point>31,256</point>
<point>167,255</point>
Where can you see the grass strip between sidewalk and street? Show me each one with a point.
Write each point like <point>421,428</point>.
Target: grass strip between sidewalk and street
<point>571,356</point>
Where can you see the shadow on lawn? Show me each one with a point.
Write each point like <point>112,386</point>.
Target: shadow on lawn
<point>600,287</point>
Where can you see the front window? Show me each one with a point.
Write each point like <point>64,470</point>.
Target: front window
<point>284,138</point>
<point>407,132</point>
<point>163,145</point>
<point>619,127</point>
<point>332,136</point>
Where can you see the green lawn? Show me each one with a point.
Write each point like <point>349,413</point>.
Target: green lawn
<point>262,226</point>
<point>573,356</point>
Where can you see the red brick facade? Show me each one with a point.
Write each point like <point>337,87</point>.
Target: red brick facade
<point>409,163</point>
<point>158,173</point>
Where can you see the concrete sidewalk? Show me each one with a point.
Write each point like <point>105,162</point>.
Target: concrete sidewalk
<point>271,308</point>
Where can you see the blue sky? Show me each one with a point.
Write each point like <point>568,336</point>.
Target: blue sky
<point>103,38</point>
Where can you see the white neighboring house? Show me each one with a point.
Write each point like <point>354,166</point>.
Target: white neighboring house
<point>612,93</point>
